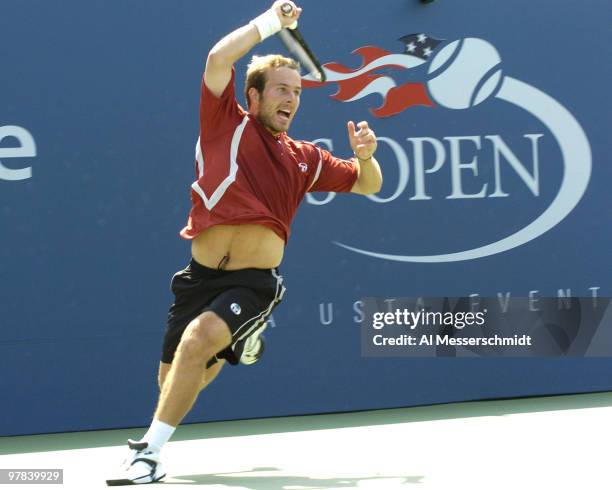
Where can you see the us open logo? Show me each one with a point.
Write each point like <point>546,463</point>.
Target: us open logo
<point>464,75</point>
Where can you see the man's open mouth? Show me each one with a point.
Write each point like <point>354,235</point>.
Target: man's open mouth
<point>284,114</point>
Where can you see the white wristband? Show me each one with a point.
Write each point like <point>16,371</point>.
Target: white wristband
<point>267,24</point>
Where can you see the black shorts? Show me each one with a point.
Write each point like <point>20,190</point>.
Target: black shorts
<point>243,298</point>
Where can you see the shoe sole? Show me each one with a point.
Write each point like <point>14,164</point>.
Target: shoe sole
<point>124,482</point>
<point>259,354</point>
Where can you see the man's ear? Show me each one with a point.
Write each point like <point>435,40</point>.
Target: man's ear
<point>253,96</point>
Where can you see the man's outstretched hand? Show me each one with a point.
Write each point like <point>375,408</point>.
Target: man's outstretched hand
<point>362,140</point>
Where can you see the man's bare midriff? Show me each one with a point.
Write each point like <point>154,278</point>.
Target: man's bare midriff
<point>246,246</point>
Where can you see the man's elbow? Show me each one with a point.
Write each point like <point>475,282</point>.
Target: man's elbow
<point>216,58</point>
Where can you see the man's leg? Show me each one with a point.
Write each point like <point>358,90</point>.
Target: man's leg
<point>210,374</point>
<point>203,338</point>
<point>206,335</point>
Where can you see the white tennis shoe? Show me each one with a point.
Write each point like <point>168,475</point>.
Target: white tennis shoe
<point>142,465</point>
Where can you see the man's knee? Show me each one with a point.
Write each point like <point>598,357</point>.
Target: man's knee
<point>205,336</point>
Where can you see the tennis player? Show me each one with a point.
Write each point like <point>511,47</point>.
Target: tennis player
<point>251,177</point>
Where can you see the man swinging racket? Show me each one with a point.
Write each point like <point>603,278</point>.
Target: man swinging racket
<point>251,177</point>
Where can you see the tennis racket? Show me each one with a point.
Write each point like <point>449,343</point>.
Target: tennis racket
<point>294,41</point>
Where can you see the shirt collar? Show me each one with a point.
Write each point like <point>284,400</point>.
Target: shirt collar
<point>279,137</point>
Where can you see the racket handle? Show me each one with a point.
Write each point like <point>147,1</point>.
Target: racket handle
<point>287,10</point>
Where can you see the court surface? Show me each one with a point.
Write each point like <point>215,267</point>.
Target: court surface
<point>561,442</point>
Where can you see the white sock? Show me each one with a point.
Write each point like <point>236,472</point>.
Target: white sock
<point>158,434</point>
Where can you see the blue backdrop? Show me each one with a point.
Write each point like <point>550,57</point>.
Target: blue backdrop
<point>98,122</point>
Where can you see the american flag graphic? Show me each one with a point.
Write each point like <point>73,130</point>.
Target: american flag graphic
<point>354,84</point>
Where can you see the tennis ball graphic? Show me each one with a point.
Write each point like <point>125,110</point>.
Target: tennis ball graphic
<point>464,73</point>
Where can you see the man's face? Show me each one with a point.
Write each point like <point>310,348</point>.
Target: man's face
<point>278,103</point>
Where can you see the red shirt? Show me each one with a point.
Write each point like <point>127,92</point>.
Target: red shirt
<point>247,175</point>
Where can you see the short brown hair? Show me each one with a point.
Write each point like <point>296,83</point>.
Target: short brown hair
<point>256,71</point>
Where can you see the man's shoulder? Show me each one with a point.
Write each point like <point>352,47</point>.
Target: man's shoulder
<point>306,147</point>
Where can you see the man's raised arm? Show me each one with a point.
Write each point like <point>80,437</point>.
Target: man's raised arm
<point>239,42</point>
